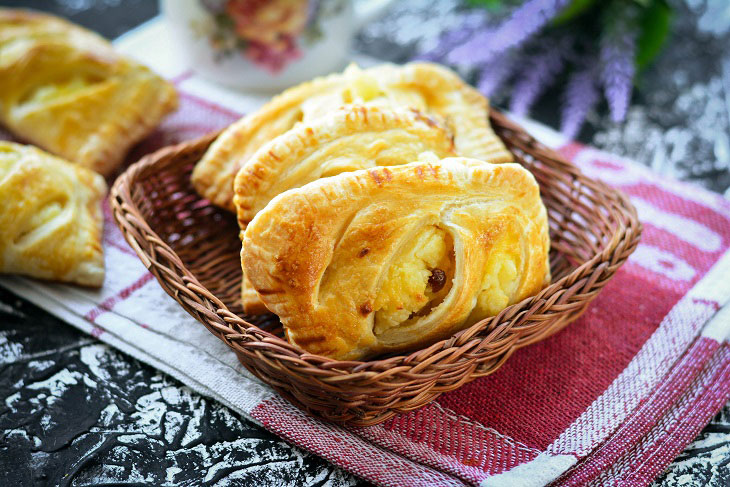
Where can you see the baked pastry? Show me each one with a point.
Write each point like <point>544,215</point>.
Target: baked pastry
<point>347,139</point>
<point>429,88</point>
<point>50,215</point>
<point>65,89</point>
<point>350,138</point>
<point>392,258</point>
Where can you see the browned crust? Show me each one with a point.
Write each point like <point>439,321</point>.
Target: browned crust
<point>135,106</point>
<point>265,173</point>
<point>464,109</point>
<point>314,233</point>
<point>214,174</point>
<point>69,246</point>
<point>271,162</point>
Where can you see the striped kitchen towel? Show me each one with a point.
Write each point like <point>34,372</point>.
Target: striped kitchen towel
<point>610,400</point>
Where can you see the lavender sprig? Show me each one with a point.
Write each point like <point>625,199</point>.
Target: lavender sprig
<point>493,75</point>
<point>539,72</point>
<point>520,26</point>
<point>581,95</point>
<point>618,51</point>
<point>497,52</point>
<point>470,23</point>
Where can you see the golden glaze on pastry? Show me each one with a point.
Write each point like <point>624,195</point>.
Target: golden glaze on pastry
<point>65,89</point>
<point>50,215</point>
<point>347,139</point>
<point>429,88</point>
<point>392,258</point>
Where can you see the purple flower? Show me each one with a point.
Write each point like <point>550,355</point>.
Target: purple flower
<point>618,50</point>
<point>498,55</point>
<point>581,95</point>
<point>493,75</point>
<point>538,73</point>
<point>525,21</point>
<point>446,43</point>
<point>471,23</point>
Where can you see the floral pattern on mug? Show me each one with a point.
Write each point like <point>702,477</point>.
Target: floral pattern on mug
<point>267,32</point>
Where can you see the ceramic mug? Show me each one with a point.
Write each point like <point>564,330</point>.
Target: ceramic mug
<point>266,45</point>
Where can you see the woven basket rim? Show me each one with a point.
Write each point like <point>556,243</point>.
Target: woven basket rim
<point>125,213</point>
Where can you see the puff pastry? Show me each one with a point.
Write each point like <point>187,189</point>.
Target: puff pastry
<point>64,88</point>
<point>50,215</point>
<point>429,88</point>
<point>350,138</point>
<point>392,258</point>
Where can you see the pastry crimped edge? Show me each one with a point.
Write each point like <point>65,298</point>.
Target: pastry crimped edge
<point>214,174</point>
<point>144,97</point>
<point>287,250</point>
<point>470,126</point>
<point>257,173</point>
<point>148,113</point>
<point>466,116</point>
<point>255,177</point>
<point>88,185</point>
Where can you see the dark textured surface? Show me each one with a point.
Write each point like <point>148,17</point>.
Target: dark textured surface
<point>111,18</point>
<point>75,412</point>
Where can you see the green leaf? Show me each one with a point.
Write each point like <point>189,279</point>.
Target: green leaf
<point>576,8</point>
<point>655,24</point>
<point>489,4</point>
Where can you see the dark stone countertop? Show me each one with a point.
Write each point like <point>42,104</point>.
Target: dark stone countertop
<point>76,412</point>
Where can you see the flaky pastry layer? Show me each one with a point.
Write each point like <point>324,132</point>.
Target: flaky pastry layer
<point>432,89</point>
<point>347,139</point>
<point>66,90</point>
<point>51,217</point>
<point>393,258</point>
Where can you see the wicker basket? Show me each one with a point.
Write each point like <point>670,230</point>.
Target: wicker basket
<point>192,248</point>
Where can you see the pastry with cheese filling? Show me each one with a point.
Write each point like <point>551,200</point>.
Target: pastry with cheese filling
<point>348,139</point>
<point>393,258</point>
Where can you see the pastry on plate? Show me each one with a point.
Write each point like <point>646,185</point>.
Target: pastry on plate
<point>51,217</point>
<point>393,258</point>
<point>431,89</point>
<point>66,90</point>
<point>347,139</point>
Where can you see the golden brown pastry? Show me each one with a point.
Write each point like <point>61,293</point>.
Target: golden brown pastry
<point>350,138</point>
<point>50,215</point>
<point>392,258</point>
<point>64,88</point>
<point>429,88</point>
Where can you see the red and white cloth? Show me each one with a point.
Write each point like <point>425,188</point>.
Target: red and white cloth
<point>610,400</point>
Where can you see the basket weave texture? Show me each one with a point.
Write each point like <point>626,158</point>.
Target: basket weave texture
<point>192,248</point>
